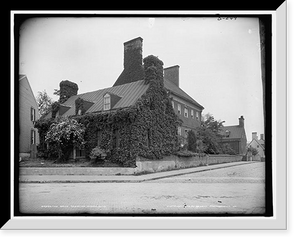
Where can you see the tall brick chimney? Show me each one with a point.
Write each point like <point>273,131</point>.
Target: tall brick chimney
<point>241,121</point>
<point>133,52</point>
<point>133,62</point>
<point>172,74</point>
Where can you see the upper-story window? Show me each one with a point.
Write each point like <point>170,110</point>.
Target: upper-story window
<point>106,102</point>
<point>197,115</point>
<point>179,131</point>
<point>186,114</point>
<point>32,114</point>
<point>192,113</point>
<point>179,109</point>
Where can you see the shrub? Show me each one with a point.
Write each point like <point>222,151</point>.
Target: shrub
<point>98,154</point>
<point>64,135</point>
<point>191,141</point>
<point>226,148</point>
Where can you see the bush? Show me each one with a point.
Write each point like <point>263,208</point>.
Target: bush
<point>64,135</point>
<point>192,141</point>
<point>226,148</point>
<point>98,154</point>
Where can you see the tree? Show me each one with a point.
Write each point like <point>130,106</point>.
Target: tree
<point>65,134</point>
<point>44,103</point>
<point>192,141</point>
<point>252,150</point>
<point>208,134</point>
<point>227,149</point>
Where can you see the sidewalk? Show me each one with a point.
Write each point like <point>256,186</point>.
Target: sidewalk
<point>121,178</point>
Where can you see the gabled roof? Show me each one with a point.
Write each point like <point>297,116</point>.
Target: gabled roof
<point>178,91</point>
<point>23,78</point>
<point>254,140</point>
<point>235,132</point>
<point>129,94</point>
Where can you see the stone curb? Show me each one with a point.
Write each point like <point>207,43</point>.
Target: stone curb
<point>134,179</point>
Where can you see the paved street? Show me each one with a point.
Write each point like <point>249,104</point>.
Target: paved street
<point>235,190</point>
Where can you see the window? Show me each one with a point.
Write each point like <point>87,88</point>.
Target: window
<point>32,114</point>
<point>106,102</point>
<point>32,137</point>
<point>197,115</point>
<point>98,138</point>
<point>80,153</point>
<point>179,109</point>
<point>192,113</point>
<point>148,138</point>
<point>227,133</point>
<point>179,131</point>
<point>186,112</point>
<point>116,139</point>
<point>173,105</point>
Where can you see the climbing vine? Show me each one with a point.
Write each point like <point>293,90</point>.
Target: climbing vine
<point>147,129</point>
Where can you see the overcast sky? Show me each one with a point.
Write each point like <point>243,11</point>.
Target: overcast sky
<point>219,59</point>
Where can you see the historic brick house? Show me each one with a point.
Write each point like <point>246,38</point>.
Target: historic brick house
<point>141,114</point>
<point>235,136</point>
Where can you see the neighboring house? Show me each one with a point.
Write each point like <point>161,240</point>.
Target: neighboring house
<point>235,136</point>
<point>28,114</point>
<point>133,90</point>
<point>259,145</point>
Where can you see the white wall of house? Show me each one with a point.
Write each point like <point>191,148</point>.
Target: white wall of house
<point>255,144</point>
<point>27,104</point>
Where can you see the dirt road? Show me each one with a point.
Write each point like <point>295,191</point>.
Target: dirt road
<point>234,190</point>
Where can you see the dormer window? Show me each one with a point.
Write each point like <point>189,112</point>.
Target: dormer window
<point>227,133</point>
<point>106,102</point>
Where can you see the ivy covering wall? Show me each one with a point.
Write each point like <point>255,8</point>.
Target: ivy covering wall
<point>147,129</point>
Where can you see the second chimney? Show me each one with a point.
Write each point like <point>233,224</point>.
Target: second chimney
<point>254,135</point>
<point>172,74</point>
<point>241,121</point>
